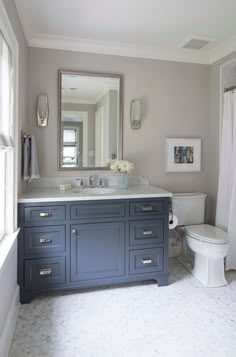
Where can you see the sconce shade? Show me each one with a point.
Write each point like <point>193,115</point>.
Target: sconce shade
<point>42,110</point>
<point>135,113</point>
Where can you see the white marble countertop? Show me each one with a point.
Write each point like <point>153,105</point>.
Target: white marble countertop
<point>52,194</point>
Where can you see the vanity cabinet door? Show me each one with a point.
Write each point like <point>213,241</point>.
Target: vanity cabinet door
<point>97,250</point>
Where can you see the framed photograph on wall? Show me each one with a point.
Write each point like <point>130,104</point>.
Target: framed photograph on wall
<point>183,155</point>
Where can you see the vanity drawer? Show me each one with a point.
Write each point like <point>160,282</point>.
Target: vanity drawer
<point>146,208</point>
<point>146,260</point>
<point>146,232</point>
<point>39,240</point>
<point>97,210</point>
<point>44,213</point>
<point>43,273</point>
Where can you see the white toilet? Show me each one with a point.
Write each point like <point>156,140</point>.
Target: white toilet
<point>209,244</point>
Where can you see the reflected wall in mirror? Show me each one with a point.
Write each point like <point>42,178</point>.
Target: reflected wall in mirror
<point>90,120</point>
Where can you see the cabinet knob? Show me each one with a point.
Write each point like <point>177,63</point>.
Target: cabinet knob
<point>73,231</point>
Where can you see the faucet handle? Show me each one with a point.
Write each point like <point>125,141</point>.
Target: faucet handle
<point>79,182</point>
<point>101,182</point>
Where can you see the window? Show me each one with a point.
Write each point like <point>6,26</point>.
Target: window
<point>69,136</point>
<point>6,140</point>
<point>2,194</point>
<point>70,147</point>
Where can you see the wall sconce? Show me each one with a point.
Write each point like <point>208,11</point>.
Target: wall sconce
<point>135,114</point>
<point>42,110</point>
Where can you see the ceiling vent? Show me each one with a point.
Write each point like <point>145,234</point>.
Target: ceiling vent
<point>196,43</point>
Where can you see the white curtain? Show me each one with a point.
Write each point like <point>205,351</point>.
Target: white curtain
<point>226,198</point>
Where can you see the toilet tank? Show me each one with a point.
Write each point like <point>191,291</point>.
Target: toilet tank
<point>189,208</point>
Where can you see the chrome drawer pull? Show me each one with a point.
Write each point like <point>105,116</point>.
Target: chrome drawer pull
<point>147,233</point>
<point>146,260</point>
<point>147,208</point>
<point>44,214</point>
<point>44,272</point>
<point>45,240</point>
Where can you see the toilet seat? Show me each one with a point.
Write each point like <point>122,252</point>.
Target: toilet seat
<point>207,233</point>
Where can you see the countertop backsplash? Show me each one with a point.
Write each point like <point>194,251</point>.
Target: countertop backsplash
<point>109,180</point>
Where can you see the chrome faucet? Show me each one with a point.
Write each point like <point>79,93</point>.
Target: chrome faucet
<point>91,181</point>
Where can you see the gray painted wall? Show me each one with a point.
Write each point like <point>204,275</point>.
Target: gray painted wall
<point>175,100</point>
<point>8,274</point>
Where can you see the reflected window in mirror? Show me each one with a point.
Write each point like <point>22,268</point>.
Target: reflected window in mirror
<point>90,122</point>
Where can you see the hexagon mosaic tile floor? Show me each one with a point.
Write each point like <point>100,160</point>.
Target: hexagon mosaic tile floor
<point>135,320</point>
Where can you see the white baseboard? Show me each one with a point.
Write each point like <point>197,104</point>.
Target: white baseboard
<point>10,324</point>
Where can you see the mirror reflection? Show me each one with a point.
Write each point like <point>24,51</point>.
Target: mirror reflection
<point>90,120</point>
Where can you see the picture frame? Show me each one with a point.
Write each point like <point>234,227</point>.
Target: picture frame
<point>183,154</point>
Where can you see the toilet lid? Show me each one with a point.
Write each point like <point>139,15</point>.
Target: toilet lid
<point>207,233</point>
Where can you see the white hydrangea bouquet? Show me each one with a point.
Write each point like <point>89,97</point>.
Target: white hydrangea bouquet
<point>123,167</point>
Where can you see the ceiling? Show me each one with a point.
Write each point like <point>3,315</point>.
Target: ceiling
<point>136,28</point>
<point>86,89</point>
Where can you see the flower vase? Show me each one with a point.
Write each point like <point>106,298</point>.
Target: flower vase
<point>123,180</point>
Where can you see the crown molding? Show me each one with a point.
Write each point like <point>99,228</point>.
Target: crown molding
<point>208,55</point>
<point>223,49</point>
<point>118,49</point>
<point>73,100</point>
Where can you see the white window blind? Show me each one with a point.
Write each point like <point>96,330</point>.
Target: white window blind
<point>6,139</point>
<point>69,136</point>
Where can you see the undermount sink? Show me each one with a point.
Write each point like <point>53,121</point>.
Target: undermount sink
<point>94,190</point>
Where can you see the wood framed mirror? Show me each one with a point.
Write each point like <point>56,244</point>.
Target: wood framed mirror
<point>90,120</point>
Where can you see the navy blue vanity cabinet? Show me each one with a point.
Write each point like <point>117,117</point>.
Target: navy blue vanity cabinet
<point>97,250</point>
<point>69,245</point>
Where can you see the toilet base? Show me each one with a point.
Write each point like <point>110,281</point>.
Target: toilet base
<point>210,272</point>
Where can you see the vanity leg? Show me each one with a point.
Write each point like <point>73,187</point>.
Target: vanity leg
<point>162,281</point>
<point>25,298</point>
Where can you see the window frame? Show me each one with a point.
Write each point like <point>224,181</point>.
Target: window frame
<point>12,154</point>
